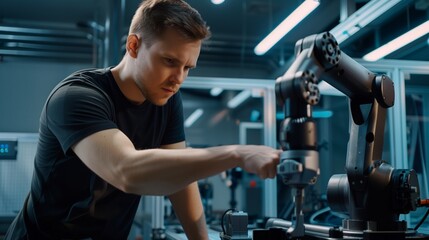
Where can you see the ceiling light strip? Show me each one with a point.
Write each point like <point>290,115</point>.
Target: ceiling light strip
<point>288,24</point>
<point>362,17</point>
<point>398,42</point>
<point>193,117</point>
<point>239,98</point>
<point>217,2</point>
<point>216,91</point>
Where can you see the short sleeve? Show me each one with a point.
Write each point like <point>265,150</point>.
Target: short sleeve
<point>77,110</point>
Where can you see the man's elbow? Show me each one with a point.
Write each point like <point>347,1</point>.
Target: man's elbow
<point>125,185</point>
<point>141,180</point>
<point>145,184</point>
<point>130,180</point>
<point>142,188</point>
<point>123,177</point>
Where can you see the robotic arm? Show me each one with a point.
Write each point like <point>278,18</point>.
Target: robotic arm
<point>372,192</point>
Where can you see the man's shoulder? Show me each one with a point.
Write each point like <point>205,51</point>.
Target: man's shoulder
<point>90,75</point>
<point>97,79</point>
<point>81,86</point>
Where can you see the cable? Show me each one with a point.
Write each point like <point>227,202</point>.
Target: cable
<point>421,220</point>
<point>424,202</point>
<point>317,213</point>
<point>223,216</point>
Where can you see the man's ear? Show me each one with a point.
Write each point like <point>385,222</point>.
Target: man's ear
<point>133,43</point>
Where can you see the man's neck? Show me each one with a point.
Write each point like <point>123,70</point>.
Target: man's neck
<point>126,84</point>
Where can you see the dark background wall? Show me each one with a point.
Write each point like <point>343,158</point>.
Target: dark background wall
<point>24,86</point>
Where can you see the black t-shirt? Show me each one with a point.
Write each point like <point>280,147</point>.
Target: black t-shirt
<point>69,200</point>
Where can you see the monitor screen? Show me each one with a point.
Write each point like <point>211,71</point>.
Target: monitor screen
<point>8,150</point>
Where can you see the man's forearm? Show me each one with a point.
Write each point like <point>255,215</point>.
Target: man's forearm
<point>112,156</point>
<point>188,208</point>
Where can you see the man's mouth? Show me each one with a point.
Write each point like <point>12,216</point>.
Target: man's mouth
<point>170,90</point>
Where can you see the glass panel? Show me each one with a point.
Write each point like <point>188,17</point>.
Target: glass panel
<point>332,121</point>
<point>417,119</point>
<point>221,124</point>
<point>218,123</point>
<point>332,116</point>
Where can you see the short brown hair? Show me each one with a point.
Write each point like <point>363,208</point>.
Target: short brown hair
<point>153,17</point>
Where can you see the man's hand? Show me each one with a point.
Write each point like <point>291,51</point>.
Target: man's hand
<point>258,159</point>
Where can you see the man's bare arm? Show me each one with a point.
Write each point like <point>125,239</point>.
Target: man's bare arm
<point>188,206</point>
<point>112,156</point>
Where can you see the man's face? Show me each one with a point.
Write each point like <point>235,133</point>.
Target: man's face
<point>160,69</point>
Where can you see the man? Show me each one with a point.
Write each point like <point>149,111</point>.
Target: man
<point>108,136</point>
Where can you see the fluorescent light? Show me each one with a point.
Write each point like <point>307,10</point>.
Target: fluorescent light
<point>193,117</point>
<point>327,89</point>
<point>239,98</point>
<point>288,24</point>
<point>398,42</point>
<point>322,113</point>
<point>362,17</point>
<point>217,1</point>
<point>315,114</point>
<point>216,91</point>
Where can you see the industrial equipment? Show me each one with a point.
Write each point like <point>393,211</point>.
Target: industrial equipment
<point>372,193</point>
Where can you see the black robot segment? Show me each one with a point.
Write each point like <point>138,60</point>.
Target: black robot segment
<point>371,193</point>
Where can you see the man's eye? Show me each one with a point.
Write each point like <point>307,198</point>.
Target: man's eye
<point>169,61</point>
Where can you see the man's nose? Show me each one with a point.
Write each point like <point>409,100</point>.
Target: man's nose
<point>179,76</point>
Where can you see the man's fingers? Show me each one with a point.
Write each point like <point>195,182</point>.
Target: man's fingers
<point>272,173</point>
<point>262,174</point>
<point>268,171</point>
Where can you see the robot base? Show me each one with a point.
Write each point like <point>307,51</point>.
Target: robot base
<point>278,231</point>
